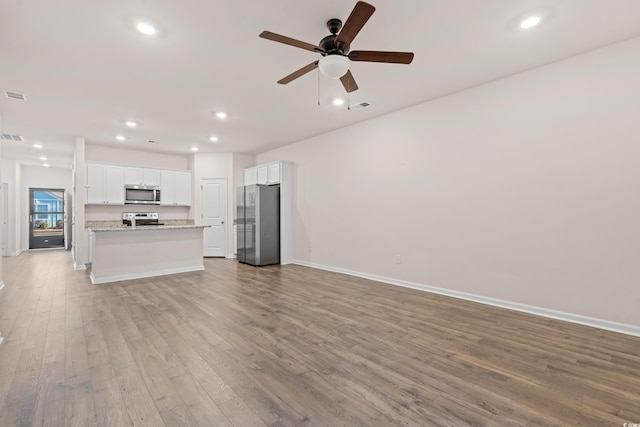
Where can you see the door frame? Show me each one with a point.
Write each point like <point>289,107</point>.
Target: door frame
<point>31,218</point>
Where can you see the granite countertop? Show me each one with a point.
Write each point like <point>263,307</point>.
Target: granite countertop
<point>101,226</point>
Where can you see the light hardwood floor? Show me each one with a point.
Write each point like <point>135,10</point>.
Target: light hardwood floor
<point>236,345</point>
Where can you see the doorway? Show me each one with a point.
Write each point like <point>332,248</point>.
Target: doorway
<point>214,216</point>
<point>46,218</point>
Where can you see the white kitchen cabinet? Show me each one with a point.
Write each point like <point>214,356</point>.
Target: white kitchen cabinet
<point>263,175</point>
<point>267,174</point>
<point>141,176</point>
<point>273,173</point>
<point>105,184</point>
<point>250,176</point>
<point>175,188</point>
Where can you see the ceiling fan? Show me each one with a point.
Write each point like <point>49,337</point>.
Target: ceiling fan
<point>334,49</point>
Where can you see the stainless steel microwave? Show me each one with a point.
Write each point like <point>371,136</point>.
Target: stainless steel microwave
<point>141,195</point>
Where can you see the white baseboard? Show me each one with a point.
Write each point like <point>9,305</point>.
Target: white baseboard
<point>231,256</point>
<point>79,266</point>
<point>608,325</point>
<point>120,277</point>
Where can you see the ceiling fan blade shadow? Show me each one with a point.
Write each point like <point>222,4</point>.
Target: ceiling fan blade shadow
<point>349,82</point>
<point>380,56</point>
<point>289,41</point>
<point>359,16</point>
<point>298,73</point>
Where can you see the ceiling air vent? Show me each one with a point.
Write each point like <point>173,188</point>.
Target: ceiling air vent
<point>360,105</point>
<point>15,95</point>
<point>10,137</point>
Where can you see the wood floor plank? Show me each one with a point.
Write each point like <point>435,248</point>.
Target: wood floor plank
<point>79,399</point>
<point>235,345</point>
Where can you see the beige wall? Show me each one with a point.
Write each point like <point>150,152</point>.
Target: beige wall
<point>524,190</point>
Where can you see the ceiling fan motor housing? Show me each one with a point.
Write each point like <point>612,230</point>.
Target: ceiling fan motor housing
<point>328,44</point>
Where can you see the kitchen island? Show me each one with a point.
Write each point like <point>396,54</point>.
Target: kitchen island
<point>125,253</point>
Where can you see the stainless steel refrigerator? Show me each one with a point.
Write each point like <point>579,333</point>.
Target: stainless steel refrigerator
<point>258,224</point>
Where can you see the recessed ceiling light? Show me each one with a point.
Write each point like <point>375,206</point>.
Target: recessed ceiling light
<point>46,165</point>
<point>145,28</point>
<point>194,148</point>
<point>131,124</point>
<point>530,22</point>
<point>214,139</point>
<point>221,115</point>
<point>120,138</point>
<point>43,158</point>
<point>338,101</point>
<point>37,145</point>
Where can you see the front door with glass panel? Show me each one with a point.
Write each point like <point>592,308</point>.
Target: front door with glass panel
<point>46,218</point>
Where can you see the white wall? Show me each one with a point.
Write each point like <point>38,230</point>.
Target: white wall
<point>2,196</point>
<point>11,177</point>
<point>100,153</point>
<point>78,173</point>
<point>524,190</point>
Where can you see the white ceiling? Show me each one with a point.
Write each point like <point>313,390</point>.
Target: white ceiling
<point>85,70</point>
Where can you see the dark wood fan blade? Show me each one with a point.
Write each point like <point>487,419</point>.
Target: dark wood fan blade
<point>301,72</point>
<point>359,16</point>
<point>289,41</point>
<point>349,82</point>
<point>379,56</point>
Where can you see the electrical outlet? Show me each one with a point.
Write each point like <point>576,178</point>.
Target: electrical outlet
<point>398,259</point>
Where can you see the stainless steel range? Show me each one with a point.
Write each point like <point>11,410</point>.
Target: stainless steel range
<point>140,218</point>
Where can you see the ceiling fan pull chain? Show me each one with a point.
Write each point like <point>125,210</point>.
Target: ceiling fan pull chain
<point>348,95</point>
<point>318,87</point>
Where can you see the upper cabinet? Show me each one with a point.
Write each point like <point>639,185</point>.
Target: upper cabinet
<point>267,174</point>
<point>105,184</point>
<point>175,187</point>
<point>141,176</point>
<point>250,176</point>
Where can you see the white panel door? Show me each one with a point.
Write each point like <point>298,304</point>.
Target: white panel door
<point>214,216</point>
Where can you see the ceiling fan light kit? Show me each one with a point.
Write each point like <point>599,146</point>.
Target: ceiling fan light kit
<point>334,66</point>
<point>335,49</point>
